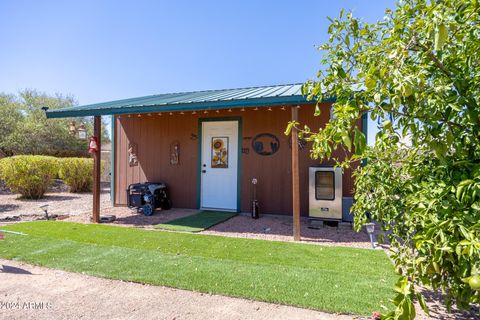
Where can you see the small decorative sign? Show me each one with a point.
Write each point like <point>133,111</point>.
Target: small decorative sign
<point>175,153</point>
<point>219,152</point>
<point>132,154</point>
<point>265,144</point>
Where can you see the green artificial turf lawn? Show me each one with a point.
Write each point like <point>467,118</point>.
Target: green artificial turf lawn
<point>196,222</point>
<point>332,279</point>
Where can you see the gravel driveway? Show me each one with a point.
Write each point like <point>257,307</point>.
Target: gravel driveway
<point>30,292</point>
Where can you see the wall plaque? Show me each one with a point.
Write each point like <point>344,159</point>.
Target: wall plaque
<point>265,144</point>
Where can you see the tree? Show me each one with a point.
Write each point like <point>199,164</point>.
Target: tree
<point>420,66</point>
<point>24,128</point>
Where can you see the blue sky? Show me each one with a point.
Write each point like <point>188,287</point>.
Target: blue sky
<point>105,50</point>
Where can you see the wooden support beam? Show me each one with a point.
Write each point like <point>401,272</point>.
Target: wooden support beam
<point>295,179</point>
<point>97,132</point>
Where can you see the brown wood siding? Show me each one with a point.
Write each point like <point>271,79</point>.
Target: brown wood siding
<point>154,134</point>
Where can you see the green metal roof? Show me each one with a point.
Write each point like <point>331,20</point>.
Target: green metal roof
<point>197,100</point>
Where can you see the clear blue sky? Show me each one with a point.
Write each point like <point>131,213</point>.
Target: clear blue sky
<point>105,50</point>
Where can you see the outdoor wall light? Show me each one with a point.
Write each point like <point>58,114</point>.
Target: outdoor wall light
<point>82,132</point>
<point>243,109</point>
<point>370,230</point>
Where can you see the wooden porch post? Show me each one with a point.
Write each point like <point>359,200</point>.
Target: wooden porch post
<point>295,179</point>
<point>97,132</point>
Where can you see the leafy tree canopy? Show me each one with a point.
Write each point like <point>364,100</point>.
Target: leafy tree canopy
<point>418,70</point>
<point>24,129</point>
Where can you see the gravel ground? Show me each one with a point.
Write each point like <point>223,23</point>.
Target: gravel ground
<point>64,295</point>
<point>60,201</point>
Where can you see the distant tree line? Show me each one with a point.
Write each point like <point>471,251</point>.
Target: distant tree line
<point>24,128</point>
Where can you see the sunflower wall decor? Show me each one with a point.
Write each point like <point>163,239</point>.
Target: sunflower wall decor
<point>220,152</point>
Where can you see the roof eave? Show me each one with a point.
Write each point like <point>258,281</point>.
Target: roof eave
<point>221,104</point>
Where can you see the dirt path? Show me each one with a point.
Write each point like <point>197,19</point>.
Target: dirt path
<point>30,292</point>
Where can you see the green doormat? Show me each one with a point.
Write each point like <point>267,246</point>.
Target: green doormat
<point>197,222</point>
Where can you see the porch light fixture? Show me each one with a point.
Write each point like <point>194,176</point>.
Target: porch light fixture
<point>229,110</point>
<point>370,230</point>
<point>256,108</point>
<point>171,113</point>
<point>194,112</point>
<point>243,109</point>
<point>159,113</point>
<point>129,115</point>
<point>206,111</point>
<point>82,132</point>
<point>182,112</point>
<point>283,108</point>
<point>218,111</point>
<point>269,108</point>
<point>139,115</point>
<point>149,114</point>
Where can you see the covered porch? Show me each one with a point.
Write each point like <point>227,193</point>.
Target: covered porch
<point>159,138</point>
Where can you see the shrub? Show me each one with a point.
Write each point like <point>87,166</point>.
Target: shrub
<point>29,175</point>
<point>77,173</point>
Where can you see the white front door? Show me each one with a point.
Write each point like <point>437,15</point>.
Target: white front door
<point>219,166</point>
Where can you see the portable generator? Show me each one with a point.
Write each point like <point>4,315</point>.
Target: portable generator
<point>148,196</point>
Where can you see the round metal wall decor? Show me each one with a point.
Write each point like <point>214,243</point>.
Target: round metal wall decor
<point>265,144</point>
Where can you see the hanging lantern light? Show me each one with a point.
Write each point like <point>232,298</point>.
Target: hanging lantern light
<point>82,132</point>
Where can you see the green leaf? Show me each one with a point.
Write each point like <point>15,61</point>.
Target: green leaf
<point>347,141</point>
<point>290,126</point>
<point>370,83</point>
<point>359,142</point>
<point>441,36</point>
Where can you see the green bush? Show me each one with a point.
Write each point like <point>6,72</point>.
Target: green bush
<point>29,175</point>
<point>77,173</point>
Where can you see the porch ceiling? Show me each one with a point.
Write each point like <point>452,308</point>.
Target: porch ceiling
<point>197,100</point>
